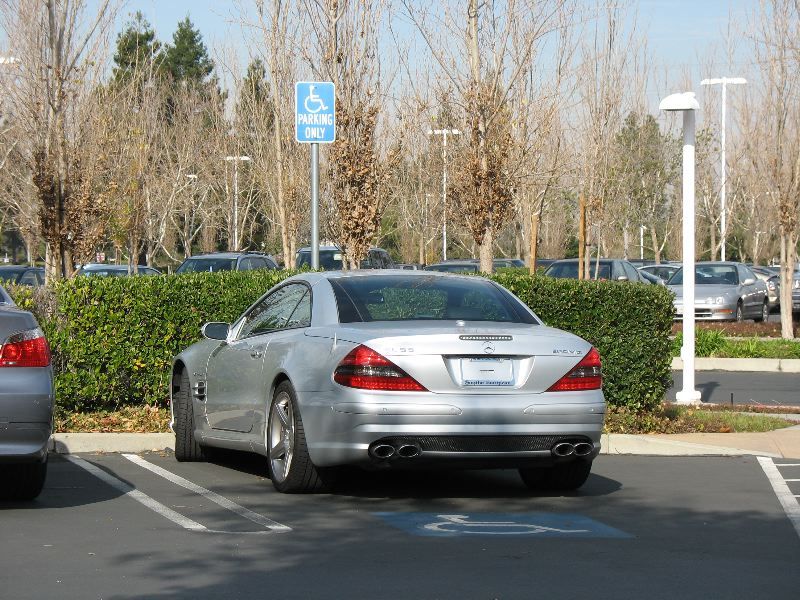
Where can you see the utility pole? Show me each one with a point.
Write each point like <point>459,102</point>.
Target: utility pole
<point>724,81</point>
<point>444,133</point>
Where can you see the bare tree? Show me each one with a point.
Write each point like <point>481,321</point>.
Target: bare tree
<point>62,59</point>
<point>774,127</point>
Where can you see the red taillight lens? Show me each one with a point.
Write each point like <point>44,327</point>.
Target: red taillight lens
<point>365,369</point>
<point>586,375</point>
<point>26,349</point>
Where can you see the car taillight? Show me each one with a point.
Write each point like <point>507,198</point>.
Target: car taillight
<point>586,375</point>
<point>25,349</point>
<point>365,369</point>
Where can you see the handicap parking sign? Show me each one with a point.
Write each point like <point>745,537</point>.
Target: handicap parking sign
<point>315,112</point>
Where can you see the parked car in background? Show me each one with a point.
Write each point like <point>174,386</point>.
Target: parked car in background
<point>773,282</point>
<point>408,266</point>
<point>26,402</point>
<point>472,265</point>
<point>103,270</point>
<point>227,261</point>
<point>21,275</point>
<point>454,266</point>
<point>663,270</point>
<point>612,269</point>
<point>330,259</point>
<point>724,291</point>
<point>404,369</point>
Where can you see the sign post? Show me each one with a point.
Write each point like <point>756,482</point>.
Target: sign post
<point>315,124</point>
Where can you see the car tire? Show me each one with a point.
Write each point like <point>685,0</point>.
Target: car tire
<point>764,316</point>
<point>739,312</point>
<point>23,481</point>
<point>562,477</point>
<point>187,449</point>
<point>290,466</point>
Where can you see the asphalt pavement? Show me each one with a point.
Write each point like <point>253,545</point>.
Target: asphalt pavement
<point>144,526</point>
<point>719,387</point>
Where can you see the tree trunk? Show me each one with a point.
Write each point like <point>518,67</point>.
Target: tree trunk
<point>656,247</point>
<point>534,242</point>
<point>581,237</point>
<point>485,252</point>
<point>788,257</point>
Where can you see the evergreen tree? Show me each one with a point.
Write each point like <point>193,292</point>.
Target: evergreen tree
<point>137,48</point>
<point>187,58</point>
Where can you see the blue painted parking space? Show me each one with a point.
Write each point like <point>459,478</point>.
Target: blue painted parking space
<point>501,524</point>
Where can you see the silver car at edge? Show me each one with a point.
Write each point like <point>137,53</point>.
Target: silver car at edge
<point>724,291</point>
<point>26,402</point>
<point>397,369</point>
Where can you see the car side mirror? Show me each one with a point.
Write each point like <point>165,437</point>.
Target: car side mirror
<point>749,281</point>
<point>215,331</point>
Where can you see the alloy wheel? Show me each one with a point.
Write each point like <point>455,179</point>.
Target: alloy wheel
<point>280,439</point>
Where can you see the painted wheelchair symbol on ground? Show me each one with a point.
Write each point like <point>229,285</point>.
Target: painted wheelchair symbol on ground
<point>494,524</point>
<point>462,524</point>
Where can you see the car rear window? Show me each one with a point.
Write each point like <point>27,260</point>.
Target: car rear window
<point>10,275</point>
<point>414,298</point>
<point>329,260</point>
<point>193,265</point>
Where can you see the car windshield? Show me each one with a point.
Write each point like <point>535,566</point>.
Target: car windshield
<point>709,275</point>
<point>193,265</point>
<point>569,270</point>
<point>330,260</point>
<point>412,298</point>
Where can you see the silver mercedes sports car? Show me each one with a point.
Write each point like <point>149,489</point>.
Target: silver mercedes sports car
<point>391,369</point>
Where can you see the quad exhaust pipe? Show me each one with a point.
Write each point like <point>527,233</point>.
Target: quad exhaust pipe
<point>565,449</point>
<point>386,451</point>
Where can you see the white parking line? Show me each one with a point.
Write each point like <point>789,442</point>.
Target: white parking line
<point>135,494</point>
<point>208,494</point>
<point>789,465</point>
<point>788,500</point>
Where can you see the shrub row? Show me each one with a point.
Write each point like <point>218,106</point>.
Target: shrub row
<point>113,339</point>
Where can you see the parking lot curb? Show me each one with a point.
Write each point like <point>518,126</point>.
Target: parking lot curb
<point>72,443</point>
<point>752,365</point>
<point>615,443</point>
<point>646,445</point>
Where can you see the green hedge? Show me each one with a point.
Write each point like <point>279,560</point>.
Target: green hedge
<point>629,324</point>
<point>113,339</point>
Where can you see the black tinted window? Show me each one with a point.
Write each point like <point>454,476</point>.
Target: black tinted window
<point>404,298</point>
<point>330,260</point>
<point>192,265</point>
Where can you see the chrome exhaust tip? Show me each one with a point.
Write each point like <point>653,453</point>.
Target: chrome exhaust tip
<point>408,451</point>
<point>583,448</point>
<point>563,449</point>
<point>381,451</point>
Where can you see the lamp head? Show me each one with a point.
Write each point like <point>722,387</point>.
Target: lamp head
<point>681,101</point>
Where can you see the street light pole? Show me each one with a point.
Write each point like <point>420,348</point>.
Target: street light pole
<point>687,104</point>
<point>724,81</point>
<point>444,133</point>
<point>235,233</point>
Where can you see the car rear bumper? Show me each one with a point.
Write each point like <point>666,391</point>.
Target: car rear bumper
<point>449,430</point>
<point>24,442</point>
<point>26,413</point>
<point>704,313</point>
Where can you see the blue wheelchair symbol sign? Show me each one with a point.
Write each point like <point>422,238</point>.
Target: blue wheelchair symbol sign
<point>315,112</point>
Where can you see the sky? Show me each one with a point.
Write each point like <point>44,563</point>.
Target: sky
<point>679,33</point>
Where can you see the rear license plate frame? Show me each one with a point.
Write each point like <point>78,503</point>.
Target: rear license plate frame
<point>483,371</point>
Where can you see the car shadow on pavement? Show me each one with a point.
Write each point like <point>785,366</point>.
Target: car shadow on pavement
<point>423,484</point>
<point>67,485</point>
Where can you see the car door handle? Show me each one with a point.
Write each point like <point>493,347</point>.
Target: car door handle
<point>257,353</point>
